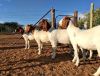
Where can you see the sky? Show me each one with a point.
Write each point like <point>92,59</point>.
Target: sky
<point>30,11</point>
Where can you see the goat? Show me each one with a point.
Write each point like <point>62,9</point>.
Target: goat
<point>39,36</point>
<point>87,39</point>
<point>27,37</point>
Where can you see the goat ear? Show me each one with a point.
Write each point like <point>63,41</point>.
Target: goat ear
<point>40,25</point>
<point>68,18</point>
<point>33,27</point>
<point>27,28</point>
<point>46,26</point>
<point>65,22</point>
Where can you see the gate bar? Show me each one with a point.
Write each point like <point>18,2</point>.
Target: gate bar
<point>42,17</point>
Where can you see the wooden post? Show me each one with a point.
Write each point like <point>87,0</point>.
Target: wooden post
<point>91,14</point>
<point>53,18</point>
<point>75,18</point>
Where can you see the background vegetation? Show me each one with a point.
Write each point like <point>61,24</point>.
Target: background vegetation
<point>96,18</point>
<point>8,27</point>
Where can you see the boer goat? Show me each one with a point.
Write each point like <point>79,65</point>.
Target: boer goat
<point>40,35</point>
<point>86,39</point>
<point>27,37</point>
<point>55,36</point>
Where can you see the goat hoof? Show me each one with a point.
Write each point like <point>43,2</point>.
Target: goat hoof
<point>39,53</point>
<point>52,57</point>
<point>73,61</point>
<point>95,75</point>
<point>89,58</point>
<point>76,64</point>
<point>97,58</point>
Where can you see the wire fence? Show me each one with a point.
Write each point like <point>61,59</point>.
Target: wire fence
<point>35,19</point>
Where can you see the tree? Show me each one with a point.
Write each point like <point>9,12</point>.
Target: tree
<point>9,27</point>
<point>96,18</point>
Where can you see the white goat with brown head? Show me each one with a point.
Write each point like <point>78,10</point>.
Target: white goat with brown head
<point>39,35</point>
<point>27,37</point>
<point>87,39</point>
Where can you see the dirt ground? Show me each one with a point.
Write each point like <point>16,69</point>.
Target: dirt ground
<point>16,61</point>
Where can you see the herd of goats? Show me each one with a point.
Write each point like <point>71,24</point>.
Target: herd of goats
<point>67,33</point>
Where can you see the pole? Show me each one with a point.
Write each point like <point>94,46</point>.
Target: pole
<point>53,18</point>
<point>91,14</point>
<point>75,18</point>
<point>42,17</point>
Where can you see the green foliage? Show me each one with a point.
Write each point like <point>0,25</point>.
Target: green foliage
<point>81,22</point>
<point>8,27</point>
<point>96,18</point>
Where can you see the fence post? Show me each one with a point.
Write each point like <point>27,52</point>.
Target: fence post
<point>53,18</point>
<point>75,18</point>
<point>91,14</point>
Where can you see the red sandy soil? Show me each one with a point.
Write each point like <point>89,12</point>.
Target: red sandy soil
<point>16,61</point>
